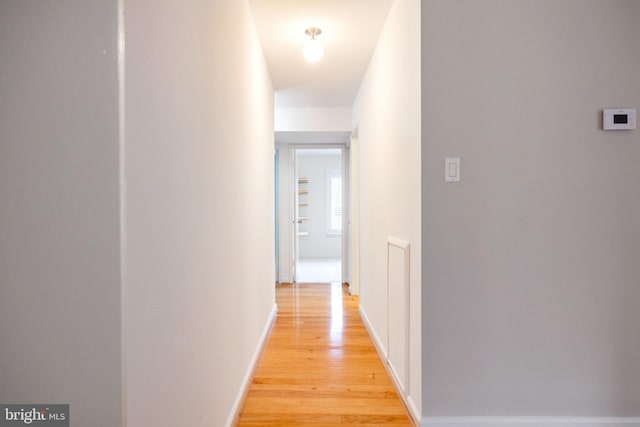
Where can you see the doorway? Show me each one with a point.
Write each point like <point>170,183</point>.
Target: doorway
<point>318,204</point>
<point>295,213</point>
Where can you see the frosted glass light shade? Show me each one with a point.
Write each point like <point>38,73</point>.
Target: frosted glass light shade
<point>313,50</point>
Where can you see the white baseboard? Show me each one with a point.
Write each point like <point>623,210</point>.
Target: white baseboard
<point>413,410</point>
<point>407,400</point>
<point>372,333</point>
<point>529,422</point>
<point>248,377</point>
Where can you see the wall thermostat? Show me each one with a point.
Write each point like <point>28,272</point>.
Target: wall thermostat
<point>619,119</point>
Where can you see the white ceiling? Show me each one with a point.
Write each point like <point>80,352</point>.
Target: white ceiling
<point>350,31</point>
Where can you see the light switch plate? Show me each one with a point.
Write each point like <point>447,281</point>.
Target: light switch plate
<point>452,169</point>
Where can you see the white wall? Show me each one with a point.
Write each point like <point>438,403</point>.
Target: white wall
<point>312,119</point>
<point>530,263</point>
<point>318,244</point>
<point>59,214</point>
<point>199,193</point>
<point>387,116</point>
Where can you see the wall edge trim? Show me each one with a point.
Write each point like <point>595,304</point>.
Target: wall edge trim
<point>238,402</point>
<point>407,401</point>
<point>530,421</point>
<point>377,343</point>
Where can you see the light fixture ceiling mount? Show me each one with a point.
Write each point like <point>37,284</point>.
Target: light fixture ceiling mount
<point>313,32</point>
<point>313,49</point>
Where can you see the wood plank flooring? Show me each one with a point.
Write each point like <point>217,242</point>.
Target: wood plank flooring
<point>319,366</point>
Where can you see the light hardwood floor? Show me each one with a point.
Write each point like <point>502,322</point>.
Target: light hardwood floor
<point>319,366</point>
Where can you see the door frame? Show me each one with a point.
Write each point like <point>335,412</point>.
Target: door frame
<point>345,255</point>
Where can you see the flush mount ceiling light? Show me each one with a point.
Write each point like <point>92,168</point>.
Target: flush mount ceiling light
<point>313,49</point>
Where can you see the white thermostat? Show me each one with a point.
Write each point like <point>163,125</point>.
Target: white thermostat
<point>619,119</point>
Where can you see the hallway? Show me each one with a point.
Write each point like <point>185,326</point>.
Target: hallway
<point>319,366</point>
<point>323,270</point>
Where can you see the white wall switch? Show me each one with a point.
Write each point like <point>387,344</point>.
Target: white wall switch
<point>452,169</point>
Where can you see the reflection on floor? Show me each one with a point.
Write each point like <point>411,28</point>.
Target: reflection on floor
<point>319,366</point>
<point>319,270</point>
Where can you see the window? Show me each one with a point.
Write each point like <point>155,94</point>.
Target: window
<point>334,201</point>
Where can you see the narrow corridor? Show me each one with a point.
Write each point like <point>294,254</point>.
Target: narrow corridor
<point>319,366</point>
